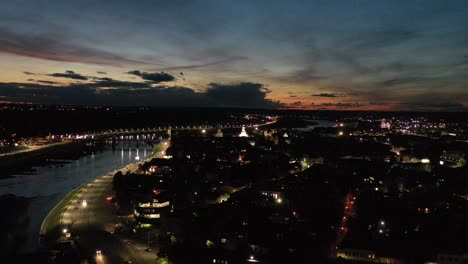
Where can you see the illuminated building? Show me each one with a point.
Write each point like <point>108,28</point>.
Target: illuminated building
<point>267,133</point>
<point>385,124</point>
<point>243,133</point>
<point>152,211</point>
<point>365,256</point>
<point>219,133</point>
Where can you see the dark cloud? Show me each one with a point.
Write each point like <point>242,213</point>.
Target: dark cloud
<point>43,81</point>
<point>296,104</point>
<point>101,72</point>
<point>108,82</point>
<point>328,95</point>
<point>69,75</point>
<point>105,82</point>
<point>29,73</point>
<point>103,79</point>
<point>337,105</point>
<point>114,92</point>
<point>56,48</point>
<point>243,94</point>
<point>293,96</point>
<point>156,77</point>
<point>47,82</point>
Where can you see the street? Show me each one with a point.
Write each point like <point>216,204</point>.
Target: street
<point>90,217</point>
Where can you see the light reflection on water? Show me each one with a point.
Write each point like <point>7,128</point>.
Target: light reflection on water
<point>50,184</point>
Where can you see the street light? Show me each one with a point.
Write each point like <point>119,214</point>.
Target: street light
<point>252,259</point>
<point>148,249</point>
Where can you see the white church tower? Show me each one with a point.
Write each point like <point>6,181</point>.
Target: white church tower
<point>243,133</point>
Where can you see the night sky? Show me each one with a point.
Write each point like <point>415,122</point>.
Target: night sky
<point>345,55</point>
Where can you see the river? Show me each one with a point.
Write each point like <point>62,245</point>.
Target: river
<point>50,184</point>
<point>320,123</point>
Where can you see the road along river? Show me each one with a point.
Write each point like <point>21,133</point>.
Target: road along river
<point>50,184</point>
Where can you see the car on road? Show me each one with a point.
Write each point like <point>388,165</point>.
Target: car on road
<point>128,242</point>
<point>98,252</point>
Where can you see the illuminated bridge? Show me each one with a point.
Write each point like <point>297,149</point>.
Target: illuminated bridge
<point>144,132</point>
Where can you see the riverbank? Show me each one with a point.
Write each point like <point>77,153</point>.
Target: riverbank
<point>89,224</point>
<point>52,226</point>
<point>22,161</point>
<point>24,149</point>
<point>47,185</point>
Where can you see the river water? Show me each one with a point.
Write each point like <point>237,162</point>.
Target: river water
<point>320,123</point>
<point>50,184</point>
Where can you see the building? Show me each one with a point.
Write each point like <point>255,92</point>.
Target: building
<point>219,133</point>
<point>385,124</point>
<point>152,211</point>
<point>243,133</point>
<point>365,256</point>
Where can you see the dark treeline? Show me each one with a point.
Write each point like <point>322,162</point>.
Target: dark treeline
<point>53,156</point>
<point>40,120</point>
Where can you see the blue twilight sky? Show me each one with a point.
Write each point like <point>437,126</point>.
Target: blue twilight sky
<point>388,55</point>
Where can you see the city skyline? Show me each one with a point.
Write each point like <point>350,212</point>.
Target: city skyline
<point>366,55</point>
